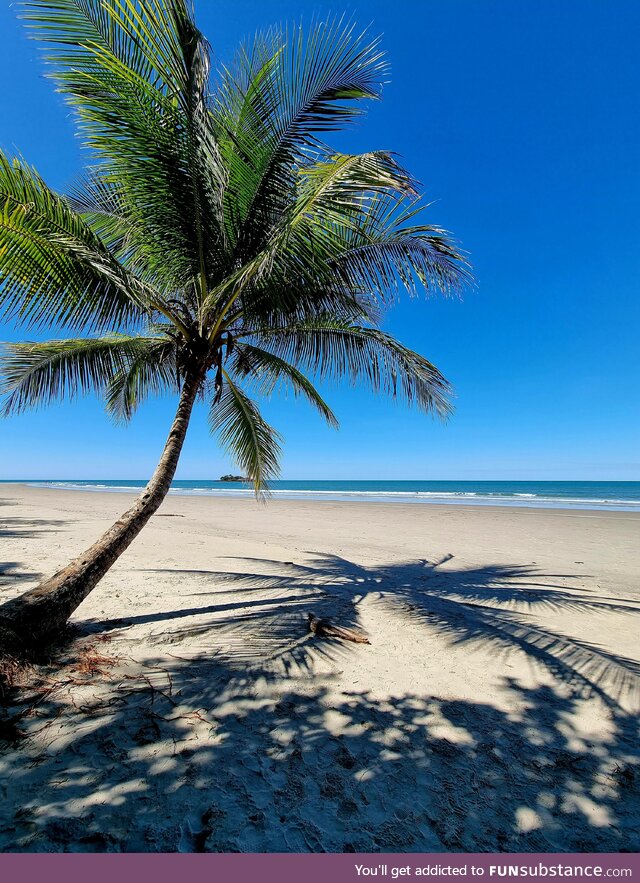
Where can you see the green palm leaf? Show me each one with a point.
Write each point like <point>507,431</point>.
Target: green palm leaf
<point>343,240</point>
<point>333,349</point>
<point>266,372</point>
<point>150,370</point>
<point>137,75</point>
<point>245,434</point>
<point>273,102</point>
<point>34,374</point>
<point>53,267</point>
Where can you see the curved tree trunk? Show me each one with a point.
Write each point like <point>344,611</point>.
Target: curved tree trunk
<point>38,615</point>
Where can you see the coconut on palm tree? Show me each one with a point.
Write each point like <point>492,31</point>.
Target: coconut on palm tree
<point>215,247</point>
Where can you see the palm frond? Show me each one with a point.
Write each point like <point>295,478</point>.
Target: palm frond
<point>102,206</point>
<point>344,180</point>
<point>137,75</point>
<point>382,251</point>
<point>344,240</point>
<point>42,280</point>
<point>332,349</point>
<point>34,374</point>
<point>273,102</point>
<point>143,37</point>
<point>150,370</point>
<point>266,372</point>
<point>245,434</point>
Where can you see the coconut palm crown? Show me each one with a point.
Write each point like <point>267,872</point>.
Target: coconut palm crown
<point>215,246</point>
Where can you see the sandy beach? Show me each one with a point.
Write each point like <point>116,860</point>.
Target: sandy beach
<point>494,710</point>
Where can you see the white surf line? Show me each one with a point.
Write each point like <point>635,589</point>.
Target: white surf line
<point>600,513</point>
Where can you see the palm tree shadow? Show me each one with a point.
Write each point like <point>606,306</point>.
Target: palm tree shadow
<point>25,527</point>
<point>21,527</point>
<point>493,606</point>
<point>193,757</point>
<point>12,573</point>
<point>245,738</point>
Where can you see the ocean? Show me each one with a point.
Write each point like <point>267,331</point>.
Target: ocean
<point>602,495</point>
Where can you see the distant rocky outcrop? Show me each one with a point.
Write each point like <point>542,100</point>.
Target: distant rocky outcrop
<point>233,478</point>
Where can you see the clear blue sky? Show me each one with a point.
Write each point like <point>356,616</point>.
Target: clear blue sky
<point>521,120</point>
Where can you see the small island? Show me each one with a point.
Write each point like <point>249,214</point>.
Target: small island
<point>233,478</point>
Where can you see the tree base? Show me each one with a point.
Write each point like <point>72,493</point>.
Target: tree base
<point>12,660</point>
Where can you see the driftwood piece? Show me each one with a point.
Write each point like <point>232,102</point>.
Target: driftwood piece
<point>326,629</point>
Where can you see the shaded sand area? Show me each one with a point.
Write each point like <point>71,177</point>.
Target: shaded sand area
<point>495,709</point>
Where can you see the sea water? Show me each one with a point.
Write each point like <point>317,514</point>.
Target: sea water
<point>603,495</point>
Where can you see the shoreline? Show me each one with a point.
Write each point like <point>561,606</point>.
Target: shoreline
<point>396,498</point>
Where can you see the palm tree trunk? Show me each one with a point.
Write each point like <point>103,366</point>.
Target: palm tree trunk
<point>40,614</point>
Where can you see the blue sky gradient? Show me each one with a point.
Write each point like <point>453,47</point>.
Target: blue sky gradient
<point>521,121</point>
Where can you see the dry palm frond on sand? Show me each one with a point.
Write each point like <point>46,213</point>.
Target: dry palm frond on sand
<point>326,629</point>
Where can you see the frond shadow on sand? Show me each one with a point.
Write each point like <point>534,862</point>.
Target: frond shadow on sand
<point>239,736</point>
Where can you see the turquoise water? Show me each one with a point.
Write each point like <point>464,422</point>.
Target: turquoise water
<point>610,495</point>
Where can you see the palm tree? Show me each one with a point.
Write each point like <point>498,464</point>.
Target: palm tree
<point>215,247</point>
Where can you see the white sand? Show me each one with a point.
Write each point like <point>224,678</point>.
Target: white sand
<point>493,710</point>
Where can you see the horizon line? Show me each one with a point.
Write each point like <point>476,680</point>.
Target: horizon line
<point>549,480</point>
